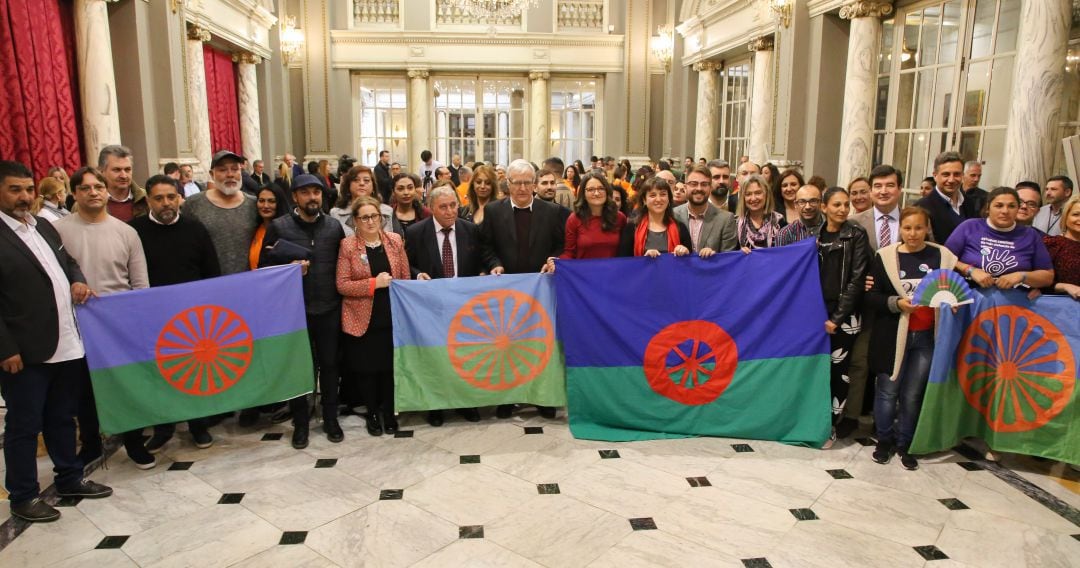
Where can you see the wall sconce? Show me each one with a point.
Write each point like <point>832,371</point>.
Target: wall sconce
<point>663,45</point>
<point>781,10</point>
<point>291,41</point>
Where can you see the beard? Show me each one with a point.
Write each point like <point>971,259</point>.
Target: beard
<point>312,208</point>
<point>720,192</point>
<point>166,216</point>
<point>229,188</point>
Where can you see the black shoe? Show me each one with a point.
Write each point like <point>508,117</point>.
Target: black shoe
<point>299,436</point>
<point>435,418</point>
<point>157,442</point>
<point>374,425</point>
<point>846,427</point>
<point>35,511</point>
<point>470,414</point>
<point>142,458</point>
<point>389,424</point>
<point>86,489</point>
<point>907,460</point>
<point>547,411</point>
<point>333,430</point>
<point>883,452</point>
<point>248,417</point>
<point>282,415</point>
<point>202,439</point>
<point>504,410</point>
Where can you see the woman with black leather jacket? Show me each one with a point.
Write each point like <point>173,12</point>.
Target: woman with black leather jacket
<point>844,256</point>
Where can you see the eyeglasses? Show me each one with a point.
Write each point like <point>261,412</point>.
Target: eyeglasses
<point>594,190</point>
<point>521,182</point>
<point>1030,204</point>
<point>697,184</point>
<point>88,187</point>
<point>368,218</point>
<point>805,202</point>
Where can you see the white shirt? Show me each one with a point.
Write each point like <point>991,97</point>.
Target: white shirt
<point>515,205</point>
<point>69,344</point>
<point>894,223</point>
<point>440,236</point>
<point>959,201</point>
<point>191,188</point>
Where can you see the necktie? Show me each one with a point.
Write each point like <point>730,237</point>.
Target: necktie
<point>884,234</point>
<point>447,255</point>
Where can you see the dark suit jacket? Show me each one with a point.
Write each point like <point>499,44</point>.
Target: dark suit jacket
<point>29,323</point>
<point>498,237</point>
<point>424,254</point>
<point>942,218</point>
<point>383,181</point>
<point>262,179</point>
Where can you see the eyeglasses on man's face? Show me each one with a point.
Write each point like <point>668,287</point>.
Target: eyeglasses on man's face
<point>805,202</point>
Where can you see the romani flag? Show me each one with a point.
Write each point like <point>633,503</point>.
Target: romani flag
<point>478,341</point>
<point>730,346</point>
<point>173,353</point>
<point>1005,370</point>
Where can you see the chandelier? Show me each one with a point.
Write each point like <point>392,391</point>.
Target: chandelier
<point>493,9</point>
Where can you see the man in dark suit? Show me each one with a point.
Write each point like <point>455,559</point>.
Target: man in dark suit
<point>947,205</point>
<point>383,178</point>
<point>444,246</point>
<point>258,173</point>
<point>42,362</point>
<point>519,234</point>
<point>972,191</point>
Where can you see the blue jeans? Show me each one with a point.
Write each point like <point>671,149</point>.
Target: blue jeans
<point>897,403</point>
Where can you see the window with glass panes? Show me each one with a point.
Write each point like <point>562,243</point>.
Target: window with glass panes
<point>480,118</point>
<point>1070,101</point>
<point>573,117</point>
<point>944,82</point>
<point>734,111</point>
<point>382,109</point>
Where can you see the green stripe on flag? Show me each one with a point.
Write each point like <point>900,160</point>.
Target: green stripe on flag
<point>136,395</point>
<point>424,379</point>
<point>772,399</point>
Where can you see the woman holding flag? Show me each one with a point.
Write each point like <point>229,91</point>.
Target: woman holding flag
<point>654,230</point>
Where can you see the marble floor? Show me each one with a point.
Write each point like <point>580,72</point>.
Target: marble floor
<point>523,492</point>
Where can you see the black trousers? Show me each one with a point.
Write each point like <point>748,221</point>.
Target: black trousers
<point>324,331</point>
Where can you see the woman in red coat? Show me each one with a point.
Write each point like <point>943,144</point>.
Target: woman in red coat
<point>367,262</point>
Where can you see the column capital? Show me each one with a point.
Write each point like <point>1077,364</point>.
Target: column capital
<point>245,57</point>
<point>418,73</point>
<point>761,43</point>
<point>198,33</point>
<point>539,75</point>
<point>866,9</point>
<point>708,65</point>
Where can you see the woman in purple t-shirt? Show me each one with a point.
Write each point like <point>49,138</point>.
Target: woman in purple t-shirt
<point>997,251</point>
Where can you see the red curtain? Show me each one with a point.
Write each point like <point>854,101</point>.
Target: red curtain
<point>221,100</point>
<point>39,98</point>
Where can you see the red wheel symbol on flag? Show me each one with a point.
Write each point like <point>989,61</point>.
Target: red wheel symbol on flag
<point>1018,370</point>
<point>204,350</point>
<point>500,340</point>
<point>691,362</point>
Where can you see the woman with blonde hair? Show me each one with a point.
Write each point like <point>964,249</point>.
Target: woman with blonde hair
<point>49,204</point>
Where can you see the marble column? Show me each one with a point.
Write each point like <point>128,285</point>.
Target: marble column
<point>761,103</point>
<point>1031,137</point>
<point>539,116</point>
<point>860,84</point>
<point>708,109</point>
<point>248,96</point>
<point>97,80</point>
<point>419,117</point>
<point>198,111</point>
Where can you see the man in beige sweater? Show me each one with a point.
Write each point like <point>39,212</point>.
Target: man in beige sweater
<point>111,256</point>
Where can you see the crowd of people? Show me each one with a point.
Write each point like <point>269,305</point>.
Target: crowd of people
<point>356,230</point>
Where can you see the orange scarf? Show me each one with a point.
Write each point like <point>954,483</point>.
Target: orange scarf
<point>642,232</point>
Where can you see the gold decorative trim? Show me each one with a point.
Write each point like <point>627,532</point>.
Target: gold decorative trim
<point>539,75</point>
<point>536,40</point>
<point>196,32</point>
<point>708,65</point>
<point>761,43</point>
<point>866,9</point>
<point>245,57</point>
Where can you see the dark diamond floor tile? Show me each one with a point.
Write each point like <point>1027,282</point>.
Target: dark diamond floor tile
<point>756,563</point>
<point>954,504</point>
<point>403,434</point>
<point>391,494</point>
<point>547,488</point>
<point>293,537</point>
<point>231,499</point>
<point>112,542</point>
<point>866,442</point>
<point>1076,536</point>
<point>325,463</point>
<point>643,524</point>
<point>469,459</point>
<point>272,436</point>
<point>931,552</point>
<point>181,466</point>
<point>698,481</point>
<point>609,454</point>
<point>840,474</point>
<point>68,501</point>
<point>471,531</point>
<point>804,514</point>
<point>970,466</point>
<point>742,448</point>
<point>534,430</point>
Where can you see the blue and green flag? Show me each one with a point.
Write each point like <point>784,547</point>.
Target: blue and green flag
<point>733,346</point>
<point>479,341</point>
<point>172,353</point>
